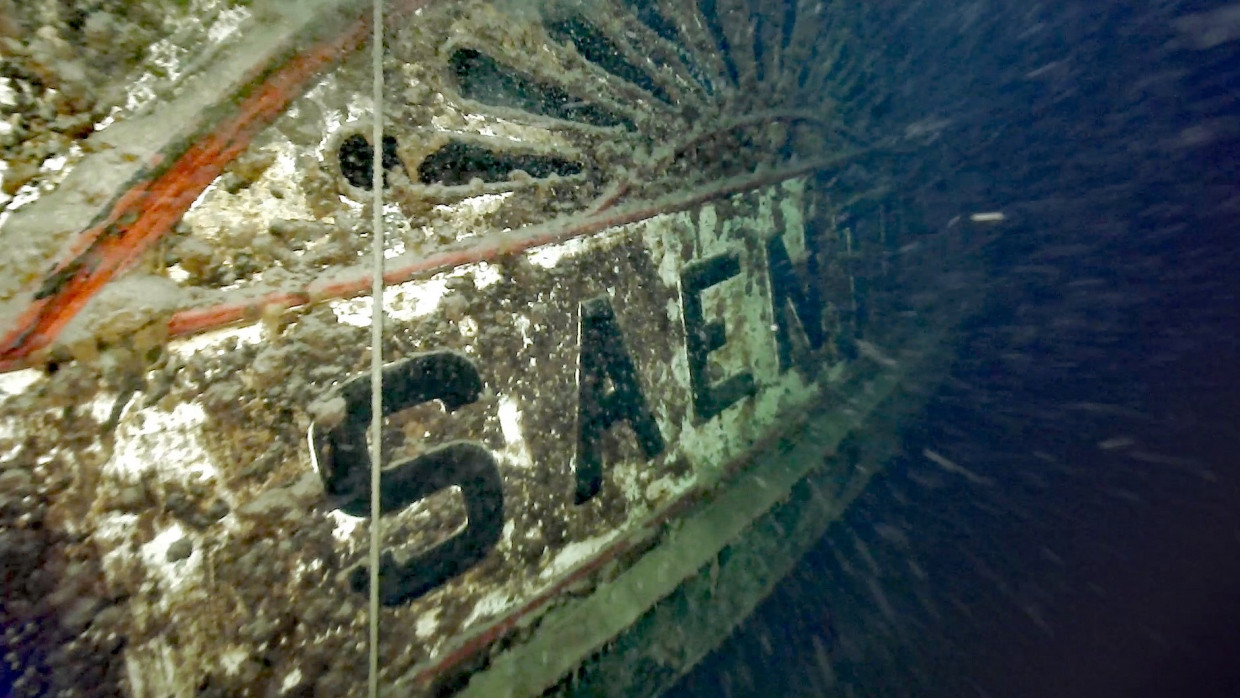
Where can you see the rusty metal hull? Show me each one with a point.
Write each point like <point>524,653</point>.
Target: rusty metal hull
<point>620,272</point>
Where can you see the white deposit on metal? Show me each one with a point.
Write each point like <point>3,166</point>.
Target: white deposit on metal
<point>164,447</point>
<point>184,464</point>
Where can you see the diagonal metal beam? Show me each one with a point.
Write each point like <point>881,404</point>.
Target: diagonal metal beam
<point>145,173</point>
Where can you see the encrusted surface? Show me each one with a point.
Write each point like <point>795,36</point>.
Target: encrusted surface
<point>71,70</point>
<point>164,508</point>
<point>193,491</point>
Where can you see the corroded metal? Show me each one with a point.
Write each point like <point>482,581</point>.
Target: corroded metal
<point>562,181</point>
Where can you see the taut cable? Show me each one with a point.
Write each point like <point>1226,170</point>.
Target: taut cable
<point>376,340</point>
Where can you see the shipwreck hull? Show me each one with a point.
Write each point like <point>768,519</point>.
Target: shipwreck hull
<point>631,333</point>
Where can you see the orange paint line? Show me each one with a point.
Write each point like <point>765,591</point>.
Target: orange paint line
<point>147,211</point>
<point>192,321</point>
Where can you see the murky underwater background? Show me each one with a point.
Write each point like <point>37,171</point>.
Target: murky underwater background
<point>1095,549</point>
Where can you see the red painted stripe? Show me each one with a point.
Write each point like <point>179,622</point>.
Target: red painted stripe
<point>152,207</point>
<point>195,320</point>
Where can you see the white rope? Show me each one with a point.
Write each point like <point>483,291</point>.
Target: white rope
<point>376,339</point>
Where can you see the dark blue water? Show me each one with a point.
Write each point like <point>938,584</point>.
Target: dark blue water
<point>1096,396</point>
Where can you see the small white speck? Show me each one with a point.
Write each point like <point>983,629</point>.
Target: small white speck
<point>291,680</point>
<point>987,217</point>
